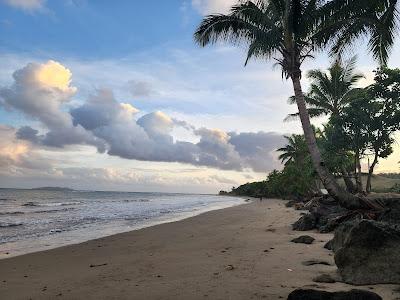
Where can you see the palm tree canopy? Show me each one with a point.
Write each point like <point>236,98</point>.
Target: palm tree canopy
<point>276,28</point>
<point>295,151</point>
<point>350,20</point>
<point>331,91</point>
<point>290,30</point>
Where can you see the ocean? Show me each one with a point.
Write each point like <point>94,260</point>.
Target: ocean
<point>35,220</point>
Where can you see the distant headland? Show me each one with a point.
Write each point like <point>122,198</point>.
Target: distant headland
<point>53,188</point>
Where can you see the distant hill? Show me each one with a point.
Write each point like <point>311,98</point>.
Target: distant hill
<point>53,188</point>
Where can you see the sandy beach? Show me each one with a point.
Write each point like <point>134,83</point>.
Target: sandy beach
<point>242,252</point>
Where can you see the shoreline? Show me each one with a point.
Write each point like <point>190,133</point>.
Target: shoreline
<point>240,252</point>
<point>8,250</point>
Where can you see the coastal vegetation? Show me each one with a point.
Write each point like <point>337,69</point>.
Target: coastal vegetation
<point>361,124</point>
<point>380,184</point>
<point>291,31</point>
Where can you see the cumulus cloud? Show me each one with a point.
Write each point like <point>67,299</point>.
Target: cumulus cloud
<point>157,125</point>
<point>150,138</point>
<point>26,5</point>
<point>16,154</point>
<point>102,109</point>
<point>216,150</point>
<point>258,149</point>
<point>41,90</point>
<point>206,7</point>
<point>11,150</point>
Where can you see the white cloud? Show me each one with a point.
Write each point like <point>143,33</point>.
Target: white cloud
<point>26,5</point>
<point>18,155</point>
<point>41,90</point>
<point>207,7</point>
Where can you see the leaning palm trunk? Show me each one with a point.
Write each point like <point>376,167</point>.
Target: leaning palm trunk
<point>344,198</point>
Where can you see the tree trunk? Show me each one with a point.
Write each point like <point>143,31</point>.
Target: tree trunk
<point>358,172</point>
<point>370,172</point>
<point>351,188</point>
<point>344,198</point>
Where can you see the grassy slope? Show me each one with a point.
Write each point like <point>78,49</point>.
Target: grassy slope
<point>380,183</point>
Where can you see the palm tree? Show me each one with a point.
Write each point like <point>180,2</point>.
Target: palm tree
<point>290,31</point>
<point>330,92</point>
<point>295,151</point>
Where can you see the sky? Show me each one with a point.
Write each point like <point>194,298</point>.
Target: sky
<point>115,95</point>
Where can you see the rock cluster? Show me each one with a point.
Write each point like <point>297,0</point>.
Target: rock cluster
<point>324,215</point>
<point>366,243</point>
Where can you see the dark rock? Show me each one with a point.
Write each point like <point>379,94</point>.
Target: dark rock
<point>290,203</point>
<point>304,239</point>
<point>328,200</point>
<point>341,234</point>
<point>315,262</point>
<point>368,253</point>
<point>324,278</point>
<point>327,216</point>
<point>308,294</point>
<point>391,213</point>
<point>329,245</point>
<point>306,222</point>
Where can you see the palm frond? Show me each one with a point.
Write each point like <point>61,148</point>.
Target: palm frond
<point>312,112</point>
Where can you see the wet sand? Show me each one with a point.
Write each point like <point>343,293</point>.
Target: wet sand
<point>242,252</point>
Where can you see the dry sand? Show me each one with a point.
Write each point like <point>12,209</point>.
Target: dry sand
<point>241,252</point>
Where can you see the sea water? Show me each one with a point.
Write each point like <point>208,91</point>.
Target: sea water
<point>35,220</point>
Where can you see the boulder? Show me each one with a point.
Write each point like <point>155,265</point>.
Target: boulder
<point>368,253</point>
<point>309,294</point>
<point>304,239</point>
<point>306,222</point>
<point>391,213</point>
<point>341,234</point>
